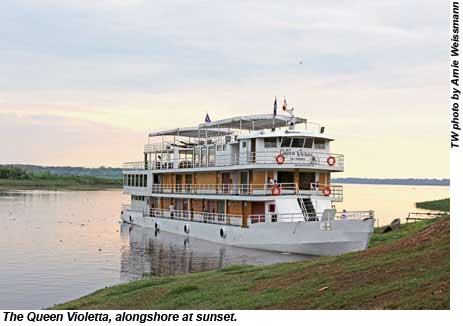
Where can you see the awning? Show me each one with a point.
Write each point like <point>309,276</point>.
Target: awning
<point>253,122</point>
<point>193,132</point>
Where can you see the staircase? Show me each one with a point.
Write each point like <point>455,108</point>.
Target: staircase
<point>306,206</point>
<point>309,208</point>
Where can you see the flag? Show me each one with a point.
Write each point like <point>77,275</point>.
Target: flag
<point>275,107</point>
<point>207,119</point>
<point>285,106</point>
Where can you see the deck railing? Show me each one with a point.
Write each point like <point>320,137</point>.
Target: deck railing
<point>195,216</point>
<point>303,159</point>
<point>310,217</point>
<point>237,220</point>
<point>333,191</point>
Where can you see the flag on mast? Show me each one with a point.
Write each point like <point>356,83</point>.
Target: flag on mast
<point>207,119</point>
<point>285,105</point>
<point>275,107</point>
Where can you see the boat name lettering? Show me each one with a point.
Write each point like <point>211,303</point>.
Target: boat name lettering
<point>297,154</point>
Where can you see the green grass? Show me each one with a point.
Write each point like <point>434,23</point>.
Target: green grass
<point>442,205</point>
<point>408,268</point>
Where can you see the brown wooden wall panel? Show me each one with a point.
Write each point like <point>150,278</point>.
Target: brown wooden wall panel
<point>296,176</point>
<point>235,207</point>
<point>322,179</point>
<point>206,178</point>
<point>258,178</point>
<point>197,205</point>
<point>258,208</point>
<point>167,179</point>
<point>165,203</point>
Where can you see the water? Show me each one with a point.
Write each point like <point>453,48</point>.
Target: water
<point>389,201</point>
<point>60,245</point>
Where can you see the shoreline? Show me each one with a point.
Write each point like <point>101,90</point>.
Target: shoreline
<point>59,184</point>
<point>395,272</point>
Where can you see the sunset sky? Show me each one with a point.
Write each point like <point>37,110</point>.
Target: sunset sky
<point>83,82</point>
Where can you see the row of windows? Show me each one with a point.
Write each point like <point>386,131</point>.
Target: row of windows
<point>298,142</point>
<point>135,180</point>
<point>134,197</point>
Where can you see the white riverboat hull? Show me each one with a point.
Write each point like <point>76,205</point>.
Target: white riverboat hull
<point>319,238</point>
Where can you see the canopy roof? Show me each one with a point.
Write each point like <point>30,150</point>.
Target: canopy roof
<point>253,122</point>
<point>193,132</point>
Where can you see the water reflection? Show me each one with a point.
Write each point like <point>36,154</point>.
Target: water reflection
<point>162,253</point>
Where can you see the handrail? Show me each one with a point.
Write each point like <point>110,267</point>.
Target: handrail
<point>336,190</point>
<point>311,217</point>
<point>301,203</point>
<point>224,189</point>
<point>309,158</point>
<point>195,216</point>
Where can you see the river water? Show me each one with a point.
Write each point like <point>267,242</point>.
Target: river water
<point>60,245</point>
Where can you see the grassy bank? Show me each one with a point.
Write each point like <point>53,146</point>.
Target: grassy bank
<point>405,269</point>
<point>12,178</point>
<point>442,205</point>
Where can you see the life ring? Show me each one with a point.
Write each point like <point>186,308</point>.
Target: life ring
<point>280,159</point>
<point>276,190</point>
<point>331,161</point>
<point>326,191</point>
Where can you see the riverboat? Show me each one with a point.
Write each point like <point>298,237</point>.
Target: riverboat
<point>258,181</point>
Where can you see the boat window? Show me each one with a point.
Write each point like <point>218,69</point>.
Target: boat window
<point>297,142</point>
<point>243,144</point>
<point>270,142</point>
<point>308,143</point>
<point>204,156</point>
<point>221,206</point>
<point>319,144</point>
<point>212,155</point>
<point>286,142</point>
<point>196,156</point>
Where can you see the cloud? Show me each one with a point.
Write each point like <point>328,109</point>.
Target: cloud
<point>142,65</point>
<point>55,140</point>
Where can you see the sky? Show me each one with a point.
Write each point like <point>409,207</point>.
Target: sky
<point>83,82</point>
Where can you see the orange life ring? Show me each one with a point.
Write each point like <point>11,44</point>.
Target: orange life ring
<point>280,159</point>
<point>276,191</point>
<point>326,191</point>
<point>331,161</point>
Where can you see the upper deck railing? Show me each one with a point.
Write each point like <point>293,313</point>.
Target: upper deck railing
<point>304,159</point>
<point>333,191</point>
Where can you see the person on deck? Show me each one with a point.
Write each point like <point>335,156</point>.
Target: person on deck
<point>171,210</point>
<point>344,214</point>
